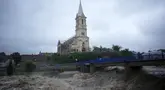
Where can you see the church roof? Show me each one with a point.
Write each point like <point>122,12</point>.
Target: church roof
<point>68,42</point>
<point>59,42</point>
<point>80,10</point>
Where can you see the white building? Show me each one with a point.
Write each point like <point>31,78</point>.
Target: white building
<point>80,41</point>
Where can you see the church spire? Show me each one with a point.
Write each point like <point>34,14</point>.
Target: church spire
<point>80,10</point>
<point>59,42</point>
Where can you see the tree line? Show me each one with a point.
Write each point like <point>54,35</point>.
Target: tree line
<point>15,56</point>
<point>97,52</point>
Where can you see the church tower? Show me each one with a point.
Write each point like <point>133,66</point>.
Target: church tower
<point>81,30</point>
<point>80,41</point>
<point>59,47</point>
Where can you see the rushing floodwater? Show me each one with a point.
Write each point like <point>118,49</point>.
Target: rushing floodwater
<point>110,80</point>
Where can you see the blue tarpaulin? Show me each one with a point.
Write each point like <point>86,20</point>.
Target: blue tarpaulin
<point>57,66</point>
<point>108,60</point>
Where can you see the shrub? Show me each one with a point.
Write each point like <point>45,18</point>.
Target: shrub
<point>17,57</point>
<point>29,66</point>
<point>10,68</point>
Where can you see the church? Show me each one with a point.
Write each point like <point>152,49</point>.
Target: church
<point>80,41</point>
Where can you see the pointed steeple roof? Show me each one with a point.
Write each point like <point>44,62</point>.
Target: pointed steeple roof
<point>59,42</point>
<point>80,10</point>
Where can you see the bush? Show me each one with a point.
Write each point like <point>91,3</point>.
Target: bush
<point>17,57</point>
<point>30,66</point>
<point>10,68</point>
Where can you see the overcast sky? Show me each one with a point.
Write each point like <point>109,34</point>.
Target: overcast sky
<point>30,26</point>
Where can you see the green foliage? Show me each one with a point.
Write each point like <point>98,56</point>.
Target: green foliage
<point>61,58</point>
<point>73,56</point>
<point>82,56</point>
<point>96,49</point>
<point>16,56</point>
<point>85,55</point>
<point>3,57</point>
<point>29,66</point>
<point>101,49</point>
<point>116,48</point>
<point>48,58</point>
<point>10,68</point>
<point>162,50</point>
<point>98,52</point>
<point>2,54</point>
<point>126,52</point>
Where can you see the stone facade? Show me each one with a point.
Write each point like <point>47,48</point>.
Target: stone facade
<point>80,41</point>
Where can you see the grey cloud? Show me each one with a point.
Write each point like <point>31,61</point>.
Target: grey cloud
<point>150,18</point>
<point>24,26</point>
<point>154,29</point>
<point>31,26</point>
<point>137,6</point>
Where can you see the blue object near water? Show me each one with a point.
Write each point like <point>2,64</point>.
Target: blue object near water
<point>57,66</point>
<point>108,60</point>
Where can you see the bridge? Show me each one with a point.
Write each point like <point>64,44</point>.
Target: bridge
<point>131,64</point>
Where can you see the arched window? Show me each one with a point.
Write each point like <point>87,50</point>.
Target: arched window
<point>83,43</point>
<point>82,21</point>
<point>83,47</point>
<point>82,33</point>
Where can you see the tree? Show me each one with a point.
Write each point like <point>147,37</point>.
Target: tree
<point>10,68</point>
<point>116,48</point>
<point>96,49</point>
<point>126,52</point>
<point>3,56</point>
<point>29,66</point>
<point>162,50</point>
<point>101,49</point>
<point>104,49</point>
<point>16,57</point>
<point>48,58</point>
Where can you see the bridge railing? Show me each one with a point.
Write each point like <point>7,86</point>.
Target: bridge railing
<point>108,60</point>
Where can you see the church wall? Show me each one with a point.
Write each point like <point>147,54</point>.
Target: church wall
<point>80,43</point>
<point>81,32</point>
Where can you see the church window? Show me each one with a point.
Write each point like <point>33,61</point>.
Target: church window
<point>82,21</point>
<point>82,33</point>
<point>83,44</point>
<point>83,49</point>
<point>73,50</point>
<point>77,22</point>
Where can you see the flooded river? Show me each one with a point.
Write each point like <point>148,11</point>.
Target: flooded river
<point>73,80</point>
